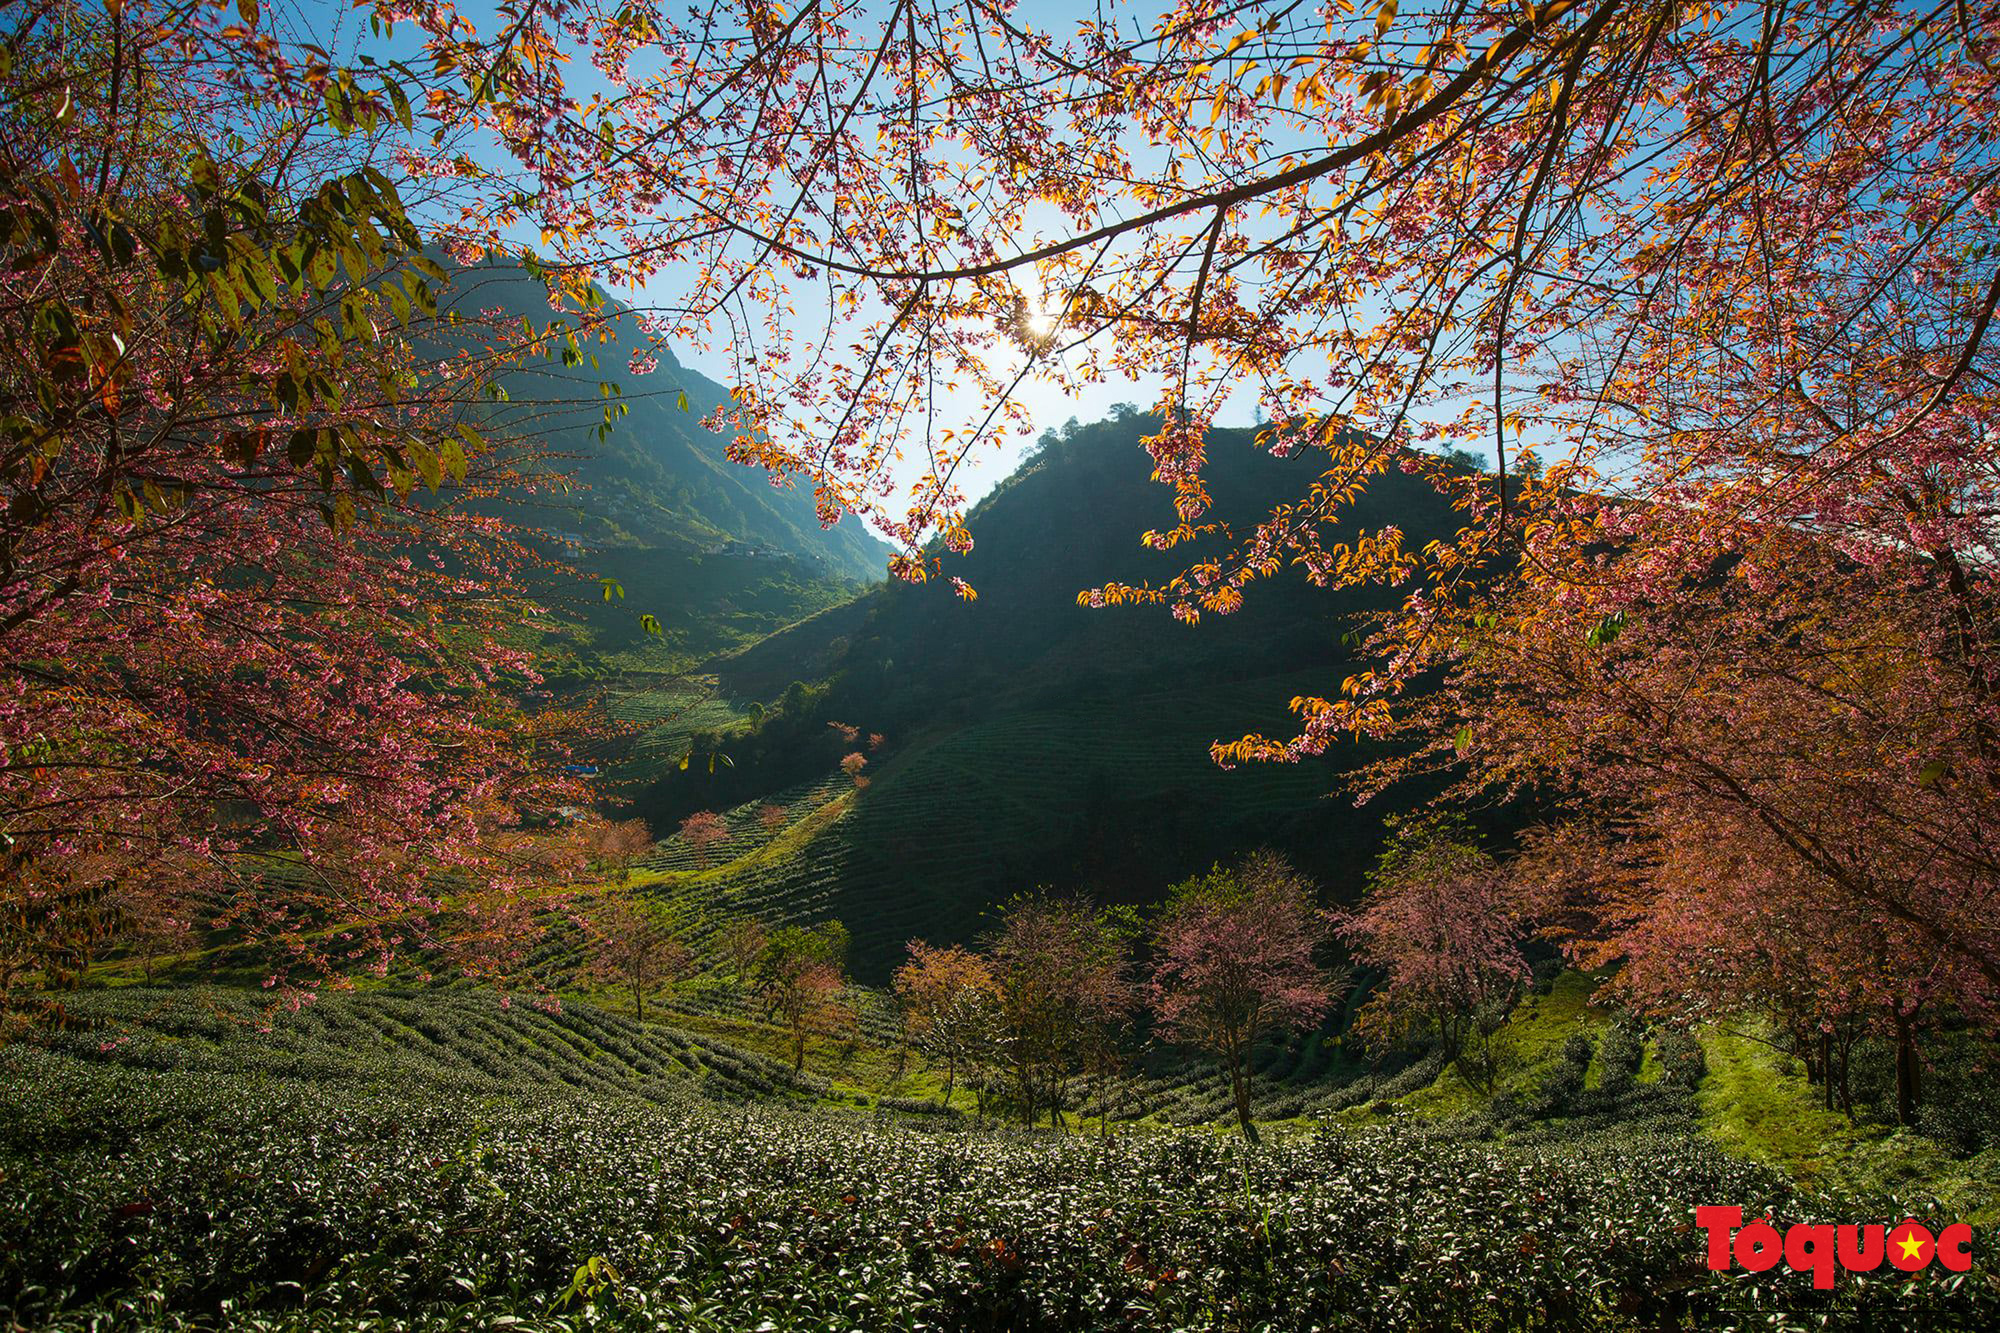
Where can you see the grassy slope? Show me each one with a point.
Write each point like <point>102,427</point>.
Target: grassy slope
<point>1525,1049</point>
<point>457,1038</point>
<point>1754,1103</point>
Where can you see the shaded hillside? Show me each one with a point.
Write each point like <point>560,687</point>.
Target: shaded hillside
<point>716,554</point>
<point>641,514</point>
<point>658,479</point>
<point>1030,741</point>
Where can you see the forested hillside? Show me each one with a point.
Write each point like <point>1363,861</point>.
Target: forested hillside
<point>643,493</point>
<point>657,478</point>
<point>1028,741</point>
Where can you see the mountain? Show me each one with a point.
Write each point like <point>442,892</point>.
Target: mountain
<point>642,514</point>
<point>1029,741</point>
<point>657,480</point>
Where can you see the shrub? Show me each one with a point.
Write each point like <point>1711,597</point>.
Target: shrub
<point>1681,1059</point>
<point>1619,1055</point>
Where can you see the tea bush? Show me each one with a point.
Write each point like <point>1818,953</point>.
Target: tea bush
<point>189,1196</point>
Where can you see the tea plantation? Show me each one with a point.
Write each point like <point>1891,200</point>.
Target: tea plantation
<point>439,1162</point>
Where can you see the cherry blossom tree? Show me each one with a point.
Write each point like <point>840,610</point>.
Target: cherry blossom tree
<point>616,844</point>
<point>739,942</point>
<point>1065,992</point>
<point>1715,922</point>
<point>1436,925</point>
<point>1235,960</point>
<point>1780,738</point>
<point>630,945</point>
<point>251,630</point>
<point>802,983</point>
<point>703,830</point>
<point>949,1000</point>
<point>156,922</point>
<point>56,917</point>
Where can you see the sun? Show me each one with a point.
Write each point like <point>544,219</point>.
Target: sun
<point>1034,321</point>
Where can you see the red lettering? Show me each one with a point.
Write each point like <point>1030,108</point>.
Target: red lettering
<point>1758,1247</point>
<point>1718,1221</point>
<point>1811,1247</point>
<point>1952,1245</point>
<point>1860,1248</point>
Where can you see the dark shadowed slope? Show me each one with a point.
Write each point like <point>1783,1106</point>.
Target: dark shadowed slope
<point>1030,741</point>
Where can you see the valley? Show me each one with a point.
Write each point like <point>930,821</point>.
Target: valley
<point>534,1152</point>
<point>979,666</point>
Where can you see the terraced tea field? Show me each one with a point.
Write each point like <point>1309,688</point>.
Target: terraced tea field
<point>956,822</point>
<point>462,1039</point>
<point>383,1166</point>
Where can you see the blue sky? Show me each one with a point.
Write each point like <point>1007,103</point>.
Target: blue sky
<point>333,24</point>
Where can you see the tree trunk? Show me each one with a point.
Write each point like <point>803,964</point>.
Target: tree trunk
<point>1909,1091</point>
<point>639,1003</point>
<point>1239,1087</point>
<point>1846,1092</point>
<point>1826,1066</point>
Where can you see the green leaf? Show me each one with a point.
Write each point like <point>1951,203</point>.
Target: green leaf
<point>1930,773</point>
<point>612,588</point>
<point>400,100</point>
<point>319,268</point>
<point>650,624</point>
<point>429,465</point>
<point>1605,630</point>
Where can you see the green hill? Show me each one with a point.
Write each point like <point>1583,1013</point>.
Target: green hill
<point>649,500</point>
<point>658,480</point>
<point>1030,741</point>
<point>641,513</point>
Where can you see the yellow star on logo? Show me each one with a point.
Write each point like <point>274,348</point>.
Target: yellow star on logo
<point>1910,1245</point>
